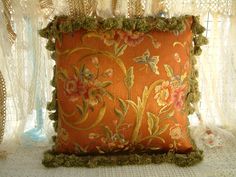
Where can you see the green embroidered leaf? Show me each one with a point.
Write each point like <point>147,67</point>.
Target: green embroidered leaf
<point>118,113</point>
<point>151,122</point>
<point>109,95</point>
<point>154,148</point>
<point>62,74</point>
<point>123,105</point>
<point>105,84</point>
<point>83,73</point>
<point>145,93</point>
<point>169,71</point>
<point>85,106</point>
<point>119,50</point>
<point>163,129</point>
<point>80,109</point>
<point>129,78</point>
<point>155,120</point>
<point>80,149</point>
<point>139,102</point>
<point>155,43</point>
<point>78,71</point>
<point>171,114</point>
<point>165,108</point>
<point>133,104</point>
<point>107,131</point>
<point>99,150</point>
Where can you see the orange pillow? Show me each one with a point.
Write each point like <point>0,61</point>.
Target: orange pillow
<point>122,92</point>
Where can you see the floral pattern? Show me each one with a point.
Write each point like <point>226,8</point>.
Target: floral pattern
<point>132,122</point>
<point>162,93</point>
<point>177,97</point>
<point>176,132</point>
<point>85,84</point>
<point>118,36</point>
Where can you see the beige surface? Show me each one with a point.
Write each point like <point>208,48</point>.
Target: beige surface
<point>26,162</point>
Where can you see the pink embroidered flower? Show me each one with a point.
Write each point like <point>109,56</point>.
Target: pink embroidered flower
<point>75,88</point>
<point>131,38</point>
<point>175,132</point>
<point>128,37</point>
<point>177,97</point>
<point>71,87</point>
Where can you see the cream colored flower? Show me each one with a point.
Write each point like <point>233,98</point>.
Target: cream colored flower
<point>175,132</point>
<point>162,93</point>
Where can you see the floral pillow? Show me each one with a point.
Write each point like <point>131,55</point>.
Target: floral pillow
<point>124,89</point>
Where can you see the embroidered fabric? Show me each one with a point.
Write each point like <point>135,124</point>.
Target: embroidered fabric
<point>218,162</point>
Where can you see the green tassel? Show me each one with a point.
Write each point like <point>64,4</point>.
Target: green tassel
<point>200,40</point>
<point>50,45</point>
<point>142,26</point>
<point>197,27</point>
<point>128,24</point>
<point>53,116</point>
<point>89,24</point>
<point>52,159</point>
<point>110,23</point>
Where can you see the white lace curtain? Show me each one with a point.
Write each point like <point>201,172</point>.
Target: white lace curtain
<point>27,69</point>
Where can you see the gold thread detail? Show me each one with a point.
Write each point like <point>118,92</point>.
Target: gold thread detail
<point>2,106</point>
<point>7,5</point>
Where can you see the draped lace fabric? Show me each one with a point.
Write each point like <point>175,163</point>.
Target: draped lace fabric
<point>27,69</point>
<point>200,7</point>
<point>217,68</point>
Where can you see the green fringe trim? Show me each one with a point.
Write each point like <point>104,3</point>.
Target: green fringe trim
<point>198,40</point>
<point>65,24</point>
<point>52,159</point>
